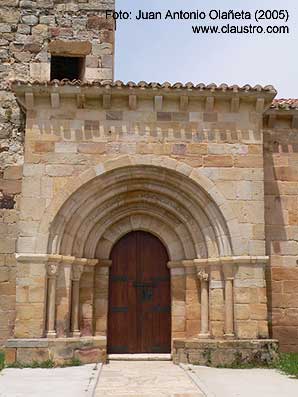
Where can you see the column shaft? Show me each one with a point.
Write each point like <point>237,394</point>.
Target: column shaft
<point>51,333</point>
<point>229,308</point>
<point>204,333</point>
<point>75,308</point>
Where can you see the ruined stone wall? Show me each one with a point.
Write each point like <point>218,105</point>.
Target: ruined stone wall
<point>30,32</point>
<point>281,216</point>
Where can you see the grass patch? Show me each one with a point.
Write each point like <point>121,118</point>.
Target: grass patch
<point>288,363</point>
<point>1,360</point>
<point>34,364</point>
<point>74,362</point>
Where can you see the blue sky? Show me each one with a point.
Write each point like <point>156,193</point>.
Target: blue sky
<point>169,51</point>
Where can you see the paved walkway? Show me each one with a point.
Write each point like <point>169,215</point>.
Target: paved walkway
<point>245,382</point>
<point>60,382</point>
<point>145,379</point>
<point>149,379</point>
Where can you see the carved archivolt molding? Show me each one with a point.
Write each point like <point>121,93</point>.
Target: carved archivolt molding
<point>169,190</point>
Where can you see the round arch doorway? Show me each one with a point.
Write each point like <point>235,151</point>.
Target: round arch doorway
<point>139,319</point>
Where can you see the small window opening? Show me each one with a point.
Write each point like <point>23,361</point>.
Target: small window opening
<point>71,68</point>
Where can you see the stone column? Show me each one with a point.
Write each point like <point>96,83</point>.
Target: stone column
<point>204,280</point>
<point>229,301</point>
<point>77,271</point>
<point>178,298</point>
<point>52,271</point>
<point>101,296</point>
<point>63,297</point>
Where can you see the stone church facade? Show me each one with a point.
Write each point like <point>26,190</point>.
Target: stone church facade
<point>138,217</point>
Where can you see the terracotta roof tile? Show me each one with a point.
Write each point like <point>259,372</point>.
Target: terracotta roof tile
<point>153,85</point>
<point>285,104</point>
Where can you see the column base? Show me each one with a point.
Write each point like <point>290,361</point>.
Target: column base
<point>51,335</point>
<point>229,336</point>
<point>204,336</point>
<point>76,334</point>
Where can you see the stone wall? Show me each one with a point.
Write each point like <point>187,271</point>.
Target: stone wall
<point>30,32</point>
<point>10,183</point>
<point>281,205</point>
<point>214,139</point>
<point>226,353</point>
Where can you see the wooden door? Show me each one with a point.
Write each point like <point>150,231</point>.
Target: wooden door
<point>139,296</point>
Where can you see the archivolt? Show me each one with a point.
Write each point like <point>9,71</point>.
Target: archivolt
<point>153,198</point>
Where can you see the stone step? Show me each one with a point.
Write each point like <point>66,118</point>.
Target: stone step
<point>140,357</point>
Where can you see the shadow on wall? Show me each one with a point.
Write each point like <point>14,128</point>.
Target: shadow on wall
<point>281,220</point>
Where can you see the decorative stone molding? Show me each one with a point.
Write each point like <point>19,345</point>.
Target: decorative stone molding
<point>219,210</point>
<point>232,260</point>
<point>104,263</point>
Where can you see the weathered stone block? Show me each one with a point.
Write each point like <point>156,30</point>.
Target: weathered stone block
<point>30,355</point>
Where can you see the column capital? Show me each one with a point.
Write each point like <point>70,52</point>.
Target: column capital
<point>77,270</point>
<point>53,265</point>
<point>202,274</point>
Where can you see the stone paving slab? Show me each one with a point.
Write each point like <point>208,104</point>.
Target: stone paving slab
<point>245,382</point>
<point>145,378</point>
<point>64,382</point>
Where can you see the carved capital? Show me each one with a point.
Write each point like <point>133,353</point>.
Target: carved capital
<point>52,269</point>
<point>77,271</point>
<point>202,274</point>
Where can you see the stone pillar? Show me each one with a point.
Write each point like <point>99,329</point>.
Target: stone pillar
<point>229,301</point>
<point>178,297</point>
<point>77,270</point>
<point>87,281</point>
<point>101,296</point>
<point>204,280</point>
<point>192,300</point>
<point>52,271</point>
<point>63,297</point>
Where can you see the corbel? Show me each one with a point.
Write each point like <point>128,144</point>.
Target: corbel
<point>235,104</point>
<point>55,100</point>
<point>81,101</point>
<point>271,120</point>
<point>260,105</point>
<point>209,104</point>
<point>158,100</point>
<point>106,101</point>
<point>132,100</point>
<point>29,100</point>
<point>183,102</point>
<point>295,122</point>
